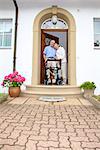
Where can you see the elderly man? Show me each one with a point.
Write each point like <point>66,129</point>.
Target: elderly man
<point>49,51</point>
<point>48,54</point>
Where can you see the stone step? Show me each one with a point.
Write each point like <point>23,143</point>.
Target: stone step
<point>43,90</point>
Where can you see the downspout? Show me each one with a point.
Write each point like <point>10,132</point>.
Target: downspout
<point>15,35</point>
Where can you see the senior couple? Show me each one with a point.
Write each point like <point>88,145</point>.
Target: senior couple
<point>57,52</point>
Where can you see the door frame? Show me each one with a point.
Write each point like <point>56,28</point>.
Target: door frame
<point>39,19</point>
<point>42,64</point>
<point>54,30</point>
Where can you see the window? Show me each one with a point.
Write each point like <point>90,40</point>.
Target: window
<point>97,32</point>
<point>48,24</point>
<point>5,33</point>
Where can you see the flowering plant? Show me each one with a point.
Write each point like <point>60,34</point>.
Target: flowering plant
<point>13,80</point>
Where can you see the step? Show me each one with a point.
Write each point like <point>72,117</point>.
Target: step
<point>54,90</point>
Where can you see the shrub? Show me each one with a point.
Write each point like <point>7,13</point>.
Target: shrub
<point>88,85</point>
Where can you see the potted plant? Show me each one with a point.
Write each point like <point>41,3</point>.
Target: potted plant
<point>13,82</point>
<point>88,88</point>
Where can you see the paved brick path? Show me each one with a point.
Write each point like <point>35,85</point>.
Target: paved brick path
<point>49,126</point>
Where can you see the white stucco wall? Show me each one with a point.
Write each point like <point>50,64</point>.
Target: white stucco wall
<point>87,59</point>
<point>6,55</point>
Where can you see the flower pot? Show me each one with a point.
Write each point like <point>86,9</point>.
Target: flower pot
<point>14,91</point>
<point>88,93</point>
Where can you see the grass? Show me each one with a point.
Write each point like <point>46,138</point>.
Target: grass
<point>3,97</point>
<point>1,94</point>
<point>97,97</point>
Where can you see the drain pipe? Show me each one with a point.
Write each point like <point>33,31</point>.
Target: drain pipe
<point>15,35</point>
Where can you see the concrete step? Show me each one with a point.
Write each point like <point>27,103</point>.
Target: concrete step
<point>43,90</point>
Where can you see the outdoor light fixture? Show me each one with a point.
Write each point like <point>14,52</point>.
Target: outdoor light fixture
<point>54,19</point>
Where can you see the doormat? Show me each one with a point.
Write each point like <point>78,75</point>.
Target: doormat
<point>52,98</point>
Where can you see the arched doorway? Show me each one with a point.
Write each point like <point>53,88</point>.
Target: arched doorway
<point>53,29</point>
<point>40,18</point>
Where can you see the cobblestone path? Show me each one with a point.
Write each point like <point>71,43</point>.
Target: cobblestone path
<point>49,126</point>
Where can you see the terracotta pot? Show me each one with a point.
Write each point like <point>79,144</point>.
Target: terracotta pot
<point>14,91</point>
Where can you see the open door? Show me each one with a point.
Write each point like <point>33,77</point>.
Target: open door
<point>45,40</point>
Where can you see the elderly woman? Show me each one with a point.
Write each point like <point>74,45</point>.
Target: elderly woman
<point>61,54</point>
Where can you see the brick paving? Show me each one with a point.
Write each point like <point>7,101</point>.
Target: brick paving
<point>47,126</point>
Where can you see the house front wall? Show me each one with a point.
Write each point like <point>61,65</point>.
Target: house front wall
<point>87,58</point>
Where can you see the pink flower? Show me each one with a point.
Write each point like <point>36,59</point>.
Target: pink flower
<point>11,78</point>
<point>2,84</point>
<point>15,73</point>
<point>6,78</point>
<point>15,80</point>
<point>23,79</point>
<point>19,75</point>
